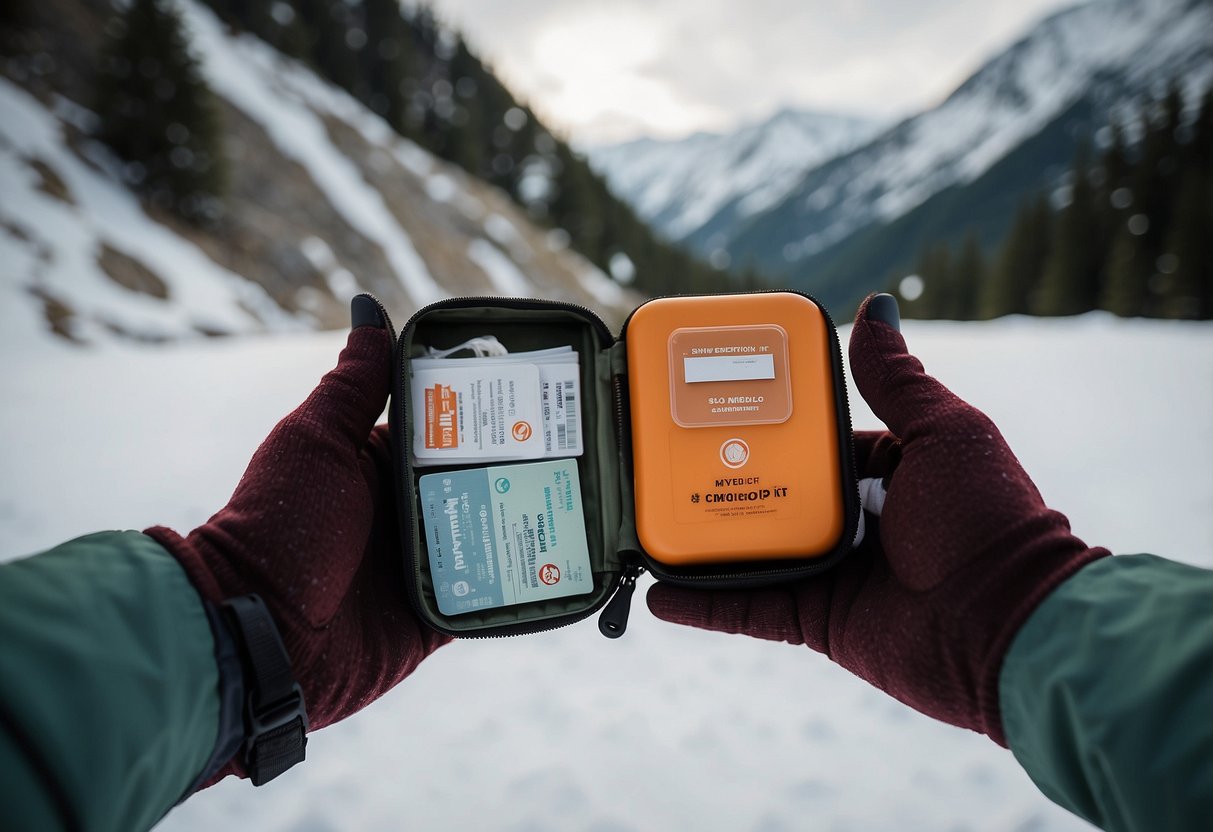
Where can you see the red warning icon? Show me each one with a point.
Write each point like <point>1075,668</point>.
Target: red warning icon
<point>549,573</point>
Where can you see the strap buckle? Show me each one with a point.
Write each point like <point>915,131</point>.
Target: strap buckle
<point>275,715</point>
<point>277,736</point>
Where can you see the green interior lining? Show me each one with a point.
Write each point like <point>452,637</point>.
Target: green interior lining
<point>628,540</point>
<point>598,467</point>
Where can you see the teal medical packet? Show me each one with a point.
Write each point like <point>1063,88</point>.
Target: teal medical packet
<point>505,535</point>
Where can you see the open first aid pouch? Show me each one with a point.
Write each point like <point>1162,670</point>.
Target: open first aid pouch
<point>710,443</point>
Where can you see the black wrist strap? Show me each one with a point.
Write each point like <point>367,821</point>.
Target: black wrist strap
<point>275,718</point>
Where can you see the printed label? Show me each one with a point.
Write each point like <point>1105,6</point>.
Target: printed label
<point>474,414</point>
<point>441,424</point>
<point>730,485</point>
<point>499,411</point>
<point>505,535</point>
<point>729,375</point>
<point>561,405</point>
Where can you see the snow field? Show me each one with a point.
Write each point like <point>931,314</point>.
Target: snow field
<point>667,728</point>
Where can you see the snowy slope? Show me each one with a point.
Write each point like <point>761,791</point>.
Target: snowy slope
<point>49,245</point>
<point>324,200</point>
<point>679,185</point>
<point>1110,53</point>
<point>668,728</point>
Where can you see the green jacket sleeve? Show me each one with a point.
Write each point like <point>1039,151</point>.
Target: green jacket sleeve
<point>109,702</point>
<point>1107,695</point>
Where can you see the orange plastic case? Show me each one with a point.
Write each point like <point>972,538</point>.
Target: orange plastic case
<point>734,422</point>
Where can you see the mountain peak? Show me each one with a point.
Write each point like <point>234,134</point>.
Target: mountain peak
<point>798,184</point>
<point>677,184</point>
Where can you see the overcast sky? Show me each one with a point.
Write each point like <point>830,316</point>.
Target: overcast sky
<point>605,70</point>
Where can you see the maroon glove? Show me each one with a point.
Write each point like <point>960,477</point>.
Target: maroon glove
<point>963,551</point>
<point>312,530</point>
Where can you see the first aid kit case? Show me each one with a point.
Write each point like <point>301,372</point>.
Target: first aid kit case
<point>712,448</point>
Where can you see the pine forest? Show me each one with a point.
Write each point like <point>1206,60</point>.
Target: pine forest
<point>1134,235</point>
<point>420,76</point>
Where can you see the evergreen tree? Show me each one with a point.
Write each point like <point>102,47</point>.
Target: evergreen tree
<point>1113,173</point>
<point>293,37</point>
<point>968,273</point>
<point>1125,277</point>
<point>471,143</point>
<point>16,13</point>
<point>1186,264</point>
<point>1070,283</point>
<point>1115,162</point>
<point>339,43</point>
<point>934,268</point>
<point>384,62</point>
<point>1202,156</point>
<point>1154,186</point>
<point>1138,277</point>
<point>750,279</point>
<point>1135,238</point>
<point>400,62</point>
<point>1202,133</point>
<point>250,15</point>
<point>157,113</point>
<point>1019,263</point>
<point>279,24</point>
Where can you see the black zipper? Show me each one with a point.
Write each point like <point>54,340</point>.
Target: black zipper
<point>404,471</point>
<point>614,619</point>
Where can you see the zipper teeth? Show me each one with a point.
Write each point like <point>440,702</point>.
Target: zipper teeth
<point>618,382</point>
<point>510,303</point>
<point>402,453</point>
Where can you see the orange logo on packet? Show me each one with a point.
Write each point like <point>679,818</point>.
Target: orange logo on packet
<point>521,431</point>
<point>441,424</point>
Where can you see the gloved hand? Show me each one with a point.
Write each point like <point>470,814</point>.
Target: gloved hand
<point>312,529</point>
<point>963,551</point>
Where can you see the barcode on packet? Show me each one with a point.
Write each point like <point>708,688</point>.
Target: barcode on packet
<point>566,430</point>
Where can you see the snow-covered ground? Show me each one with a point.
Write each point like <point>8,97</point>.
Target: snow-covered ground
<point>668,728</point>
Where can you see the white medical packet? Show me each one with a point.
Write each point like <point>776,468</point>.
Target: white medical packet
<point>517,406</point>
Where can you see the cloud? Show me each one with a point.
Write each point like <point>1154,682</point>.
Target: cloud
<point>613,69</point>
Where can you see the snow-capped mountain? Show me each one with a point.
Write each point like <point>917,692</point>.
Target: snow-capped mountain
<point>1106,54</point>
<point>324,200</point>
<point>790,194</point>
<point>681,185</point>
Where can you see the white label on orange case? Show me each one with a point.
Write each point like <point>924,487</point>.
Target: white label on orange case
<point>729,375</point>
<point>728,368</point>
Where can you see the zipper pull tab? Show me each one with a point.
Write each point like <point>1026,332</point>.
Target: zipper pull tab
<point>614,619</point>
